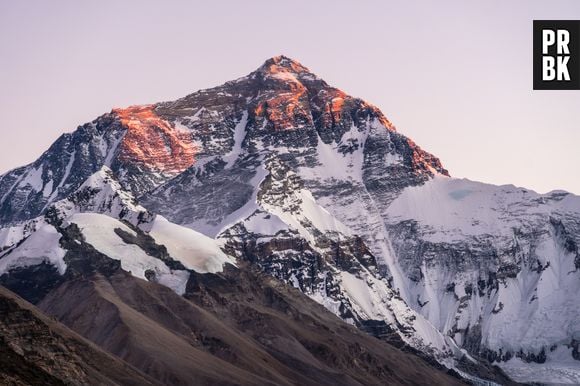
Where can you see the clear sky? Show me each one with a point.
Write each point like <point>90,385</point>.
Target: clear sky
<point>455,76</point>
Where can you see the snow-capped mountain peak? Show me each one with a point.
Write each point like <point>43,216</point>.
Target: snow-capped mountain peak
<point>295,177</point>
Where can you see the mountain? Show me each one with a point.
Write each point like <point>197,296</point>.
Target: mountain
<point>172,307</point>
<point>280,174</point>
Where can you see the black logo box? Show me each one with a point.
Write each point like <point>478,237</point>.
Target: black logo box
<point>573,27</point>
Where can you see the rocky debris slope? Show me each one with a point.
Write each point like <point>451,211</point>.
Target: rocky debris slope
<point>37,350</point>
<point>233,327</point>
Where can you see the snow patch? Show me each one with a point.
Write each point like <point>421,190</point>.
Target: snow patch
<point>99,231</point>
<point>67,170</point>
<point>34,179</point>
<point>193,249</point>
<point>334,164</point>
<point>41,246</point>
<point>239,135</point>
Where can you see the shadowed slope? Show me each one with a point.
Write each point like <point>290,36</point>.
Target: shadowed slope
<point>35,350</point>
<point>236,327</point>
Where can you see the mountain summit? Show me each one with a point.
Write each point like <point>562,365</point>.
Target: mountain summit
<point>282,63</point>
<point>281,103</point>
<point>231,196</point>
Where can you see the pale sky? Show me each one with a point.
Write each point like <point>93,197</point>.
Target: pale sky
<point>455,76</point>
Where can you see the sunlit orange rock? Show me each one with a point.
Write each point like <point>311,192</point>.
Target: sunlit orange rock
<point>333,107</point>
<point>288,107</point>
<point>153,142</point>
<point>289,104</point>
<point>259,111</point>
<point>281,63</point>
<point>423,161</point>
<point>287,110</point>
<point>336,107</point>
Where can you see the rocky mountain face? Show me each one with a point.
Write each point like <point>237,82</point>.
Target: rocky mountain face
<point>280,173</point>
<point>496,268</point>
<point>171,307</point>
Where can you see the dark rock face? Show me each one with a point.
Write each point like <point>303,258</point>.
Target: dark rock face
<point>32,283</point>
<point>292,260</point>
<point>194,194</point>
